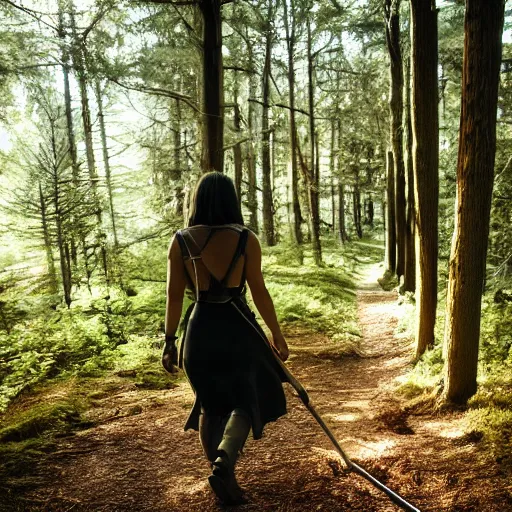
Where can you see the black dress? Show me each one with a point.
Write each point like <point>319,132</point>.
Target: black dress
<point>224,352</point>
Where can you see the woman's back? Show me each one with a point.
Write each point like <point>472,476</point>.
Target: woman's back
<point>216,253</point>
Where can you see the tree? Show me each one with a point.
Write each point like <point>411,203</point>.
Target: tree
<point>49,201</point>
<point>268,214</point>
<point>290,25</point>
<point>213,86</point>
<point>483,25</point>
<point>410,253</point>
<point>312,171</point>
<point>390,214</point>
<point>392,16</point>
<point>425,129</point>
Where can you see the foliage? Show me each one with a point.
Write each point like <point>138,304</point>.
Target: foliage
<point>489,411</point>
<point>319,299</point>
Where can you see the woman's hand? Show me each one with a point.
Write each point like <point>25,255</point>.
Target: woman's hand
<point>170,355</point>
<point>167,363</point>
<point>281,347</point>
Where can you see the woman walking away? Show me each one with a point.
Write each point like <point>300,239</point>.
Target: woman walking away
<point>228,362</point>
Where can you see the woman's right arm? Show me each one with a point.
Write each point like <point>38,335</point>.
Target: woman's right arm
<point>261,296</point>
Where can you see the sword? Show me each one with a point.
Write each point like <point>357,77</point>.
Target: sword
<point>352,466</point>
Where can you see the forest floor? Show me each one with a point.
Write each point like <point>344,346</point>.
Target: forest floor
<point>137,457</point>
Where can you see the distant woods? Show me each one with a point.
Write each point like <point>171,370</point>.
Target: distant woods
<point>334,120</point>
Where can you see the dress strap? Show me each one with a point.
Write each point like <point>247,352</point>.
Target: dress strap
<point>183,246</point>
<point>185,251</point>
<point>239,251</point>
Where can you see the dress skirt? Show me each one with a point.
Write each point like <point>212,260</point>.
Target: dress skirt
<point>230,365</point>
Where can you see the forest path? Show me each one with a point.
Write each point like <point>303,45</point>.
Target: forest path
<point>138,458</point>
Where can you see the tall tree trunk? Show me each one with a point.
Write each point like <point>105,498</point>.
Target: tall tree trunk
<point>294,174</point>
<point>483,27</point>
<point>410,253</point>
<point>356,204</point>
<point>268,217</point>
<point>313,174</point>
<point>213,87</point>
<point>392,9</point>
<point>237,148</point>
<point>177,171</point>
<point>390,214</point>
<point>252,184</point>
<point>342,230</point>
<point>332,165</point>
<point>425,129</point>
<point>69,115</point>
<point>59,221</point>
<point>50,260</point>
<point>369,210</point>
<point>80,67</point>
<point>79,63</point>
<point>106,162</point>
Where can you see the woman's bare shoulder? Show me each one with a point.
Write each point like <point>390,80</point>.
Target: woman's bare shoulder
<point>253,242</point>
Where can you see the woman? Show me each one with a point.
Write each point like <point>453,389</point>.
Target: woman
<point>225,355</point>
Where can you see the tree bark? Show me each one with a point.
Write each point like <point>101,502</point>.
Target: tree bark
<point>69,115</point>
<point>483,27</point>
<point>252,184</point>
<point>266,170</point>
<point>369,210</point>
<point>390,214</point>
<point>342,230</point>
<point>237,148</point>
<point>106,162</point>
<point>213,87</point>
<point>356,204</point>
<point>392,9</point>
<point>50,260</point>
<point>332,165</point>
<point>79,64</point>
<point>59,221</point>
<point>313,173</point>
<point>177,171</point>
<point>425,128</point>
<point>290,31</point>
<point>410,253</point>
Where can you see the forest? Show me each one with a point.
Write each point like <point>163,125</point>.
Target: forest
<point>367,141</point>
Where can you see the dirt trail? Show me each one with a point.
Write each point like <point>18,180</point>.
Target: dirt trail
<point>146,462</point>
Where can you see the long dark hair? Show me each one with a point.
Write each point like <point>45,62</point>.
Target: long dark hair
<point>215,201</point>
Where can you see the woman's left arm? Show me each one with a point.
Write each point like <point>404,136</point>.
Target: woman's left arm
<point>176,282</point>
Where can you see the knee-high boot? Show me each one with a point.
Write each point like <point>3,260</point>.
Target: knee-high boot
<point>223,481</point>
<point>211,430</point>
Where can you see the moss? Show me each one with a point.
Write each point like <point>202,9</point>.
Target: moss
<point>388,281</point>
<point>495,423</point>
<point>41,418</point>
<point>155,379</point>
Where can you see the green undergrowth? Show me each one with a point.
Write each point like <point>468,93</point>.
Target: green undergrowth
<point>56,364</point>
<point>319,299</point>
<point>488,416</point>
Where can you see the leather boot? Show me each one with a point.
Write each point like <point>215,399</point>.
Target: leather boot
<point>223,481</point>
<point>211,430</point>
